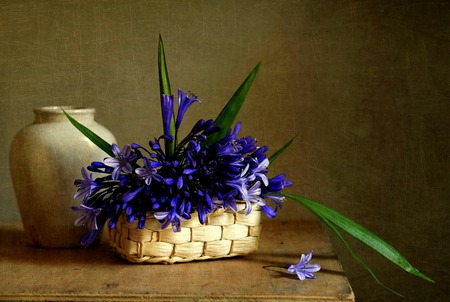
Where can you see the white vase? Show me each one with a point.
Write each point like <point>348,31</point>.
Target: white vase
<point>45,159</point>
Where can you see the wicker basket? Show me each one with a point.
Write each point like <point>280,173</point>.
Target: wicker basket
<point>225,234</point>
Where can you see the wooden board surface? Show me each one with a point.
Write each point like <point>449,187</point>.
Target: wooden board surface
<point>96,274</point>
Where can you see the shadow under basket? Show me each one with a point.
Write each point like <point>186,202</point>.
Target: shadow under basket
<point>225,234</point>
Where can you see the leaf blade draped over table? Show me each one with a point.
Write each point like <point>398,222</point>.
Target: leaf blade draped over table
<point>359,232</point>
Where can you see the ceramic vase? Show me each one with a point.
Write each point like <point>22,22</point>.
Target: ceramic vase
<point>45,159</point>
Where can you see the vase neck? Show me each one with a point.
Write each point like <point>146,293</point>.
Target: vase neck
<point>54,114</point>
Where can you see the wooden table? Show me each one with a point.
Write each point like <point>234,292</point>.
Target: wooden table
<point>96,274</point>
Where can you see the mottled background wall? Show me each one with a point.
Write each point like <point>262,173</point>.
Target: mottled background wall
<point>363,84</point>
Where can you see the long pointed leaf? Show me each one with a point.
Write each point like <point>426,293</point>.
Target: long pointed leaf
<point>280,151</point>
<point>97,140</point>
<point>164,88</point>
<point>353,253</point>
<point>164,83</point>
<point>360,233</point>
<point>228,114</point>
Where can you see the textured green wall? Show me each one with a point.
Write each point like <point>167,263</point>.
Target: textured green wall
<point>363,84</point>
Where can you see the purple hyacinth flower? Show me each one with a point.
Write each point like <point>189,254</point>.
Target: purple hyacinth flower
<point>86,186</point>
<point>121,161</point>
<point>89,216</point>
<point>304,269</point>
<point>203,125</point>
<point>278,200</point>
<point>171,217</point>
<point>131,194</point>
<point>184,102</point>
<point>236,130</point>
<point>268,211</point>
<point>240,185</point>
<point>261,170</point>
<point>148,171</point>
<point>167,114</point>
<point>226,201</point>
<point>253,196</point>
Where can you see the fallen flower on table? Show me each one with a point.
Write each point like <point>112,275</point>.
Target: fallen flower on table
<point>303,268</point>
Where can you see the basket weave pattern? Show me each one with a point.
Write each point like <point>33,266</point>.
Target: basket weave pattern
<point>225,234</point>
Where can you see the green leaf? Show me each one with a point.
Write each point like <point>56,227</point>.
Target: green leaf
<point>360,233</point>
<point>228,114</point>
<point>164,88</point>
<point>97,140</point>
<point>354,254</point>
<point>164,83</point>
<point>280,151</point>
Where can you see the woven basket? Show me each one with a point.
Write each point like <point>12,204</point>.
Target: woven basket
<point>225,234</point>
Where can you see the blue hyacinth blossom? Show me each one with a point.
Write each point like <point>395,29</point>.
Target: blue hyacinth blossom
<point>303,268</point>
<point>167,114</point>
<point>184,102</point>
<point>89,216</point>
<point>86,186</point>
<point>121,161</point>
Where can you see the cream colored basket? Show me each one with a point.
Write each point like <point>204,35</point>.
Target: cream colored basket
<point>225,234</point>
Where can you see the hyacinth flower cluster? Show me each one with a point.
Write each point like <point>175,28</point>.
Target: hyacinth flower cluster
<point>144,180</point>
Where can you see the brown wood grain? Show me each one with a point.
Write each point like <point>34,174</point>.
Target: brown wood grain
<point>96,274</point>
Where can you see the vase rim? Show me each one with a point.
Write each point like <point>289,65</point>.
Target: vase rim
<point>69,109</point>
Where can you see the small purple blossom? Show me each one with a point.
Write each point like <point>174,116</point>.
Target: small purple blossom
<point>184,102</point>
<point>121,161</point>
<point>304,269</point>
<point>86,186</point>
<point>89,216</point>
<point>167,114</point>
<point>170,218</point>
<point>253,197</point>
<point>148,171</point>
<point>261,170</point>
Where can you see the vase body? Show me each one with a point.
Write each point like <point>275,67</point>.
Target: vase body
<point>45,159</point>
